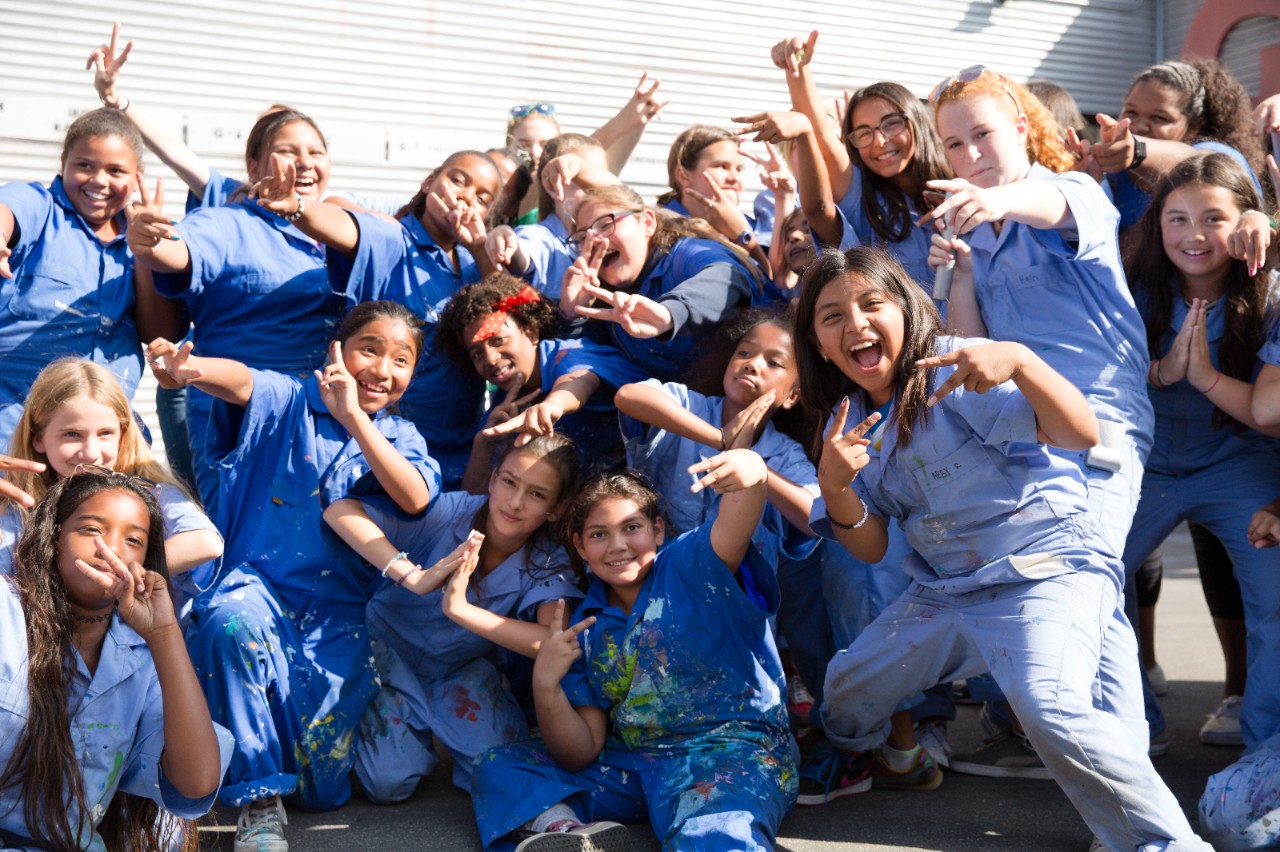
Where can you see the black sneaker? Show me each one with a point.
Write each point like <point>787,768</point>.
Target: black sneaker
<point>830,773</point>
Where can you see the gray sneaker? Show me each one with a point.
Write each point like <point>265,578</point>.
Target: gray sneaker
<point>261,827</point>
<point>591,837</point>
<point>1006,755</point>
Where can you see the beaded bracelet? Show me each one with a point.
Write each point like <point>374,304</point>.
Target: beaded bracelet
<point>866,513</point>
<point>394,560</point>
<point>297,214</point>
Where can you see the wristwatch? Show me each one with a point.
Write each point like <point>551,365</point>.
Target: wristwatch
<point>1139,152</point>
<point>744,239</point>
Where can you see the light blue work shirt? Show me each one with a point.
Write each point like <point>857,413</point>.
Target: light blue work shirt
<point>415,626</point>
<point>978,497</point>
<point>117,723</point>
<point>70,294</point>
<point>912,252</point>
<point>1133,202</point>
<point>288,459</point>
<point>666,458</point>
<point>402,263</point>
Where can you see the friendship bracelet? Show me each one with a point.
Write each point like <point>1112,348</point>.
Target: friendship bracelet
<point>1216,379</point>
<point>297,214</point>
<point>120,105</point>
<point>866,513</point>
<point>394,560</point>
<point>1160,378</point>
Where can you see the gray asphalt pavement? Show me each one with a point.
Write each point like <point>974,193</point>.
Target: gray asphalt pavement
<point>966,814</point>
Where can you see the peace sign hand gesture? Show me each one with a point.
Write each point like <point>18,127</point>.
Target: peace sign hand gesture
<point>639,316</point>
<point>148,224</point>
<point>338,388</point>
<point>276,190</point>
<point>143,595</point>
<point>169,363</point>
<point>558,650</point>
<point>584,272</point>
<point>844,454</point>
<point>106,64</point>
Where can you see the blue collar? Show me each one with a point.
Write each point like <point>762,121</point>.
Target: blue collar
<point>675,206</point>
<point>276,221</point>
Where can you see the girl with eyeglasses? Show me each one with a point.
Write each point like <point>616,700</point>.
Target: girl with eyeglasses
<point>657,286</point>
<point>105,739</point>
<point>76,414</point>
<point>280,640</point>
<point>879,159</point>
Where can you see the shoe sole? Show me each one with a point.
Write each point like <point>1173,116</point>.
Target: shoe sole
<point>612,838</point>
<point>1215,738</point>
<point>823,798</point>
<point>892,784</point>
<point>1038,773</point>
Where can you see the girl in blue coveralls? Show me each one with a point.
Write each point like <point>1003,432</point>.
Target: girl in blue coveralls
<point>257,289</point>
<point>878,157</point>
<point>66,273</point>
<point>77,414</point>
<point>495,573</point>
<point>280,640</point>
<point>1206,308</point>
<point>95,680</point>
<point>670,428</point>
<point>638,721</point>
<point>1010,572</point>
<point>437,247</point>
<point>505,330</point>
<point>663,284</point>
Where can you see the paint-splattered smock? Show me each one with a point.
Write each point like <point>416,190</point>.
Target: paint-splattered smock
<point>70,294</point>
<point>279,642</point>
<point>438,678</point>
<point>697,743</point>
<point>666,458</point>
<point>117,724</point>
<point>402,263</point>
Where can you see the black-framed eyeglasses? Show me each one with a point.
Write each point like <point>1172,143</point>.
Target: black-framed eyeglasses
<point>602,227</point>
<point>522,110</point>
<point>892,124</point>
<point>99,470</point>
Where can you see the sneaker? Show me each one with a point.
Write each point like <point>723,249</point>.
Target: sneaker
<point>261,827</point>
<point>931,734</point>
<point>1008,755</point>
<point>1097,845</point>
<point>960,693</point>
<point>579,837</point>
<point>923,774</point>
<point>1159,683</point>
<point>1158,744</point>
<point>830,773</point>
<point>799,701</point>
<point>1223,725</point>
<point>994,721</point>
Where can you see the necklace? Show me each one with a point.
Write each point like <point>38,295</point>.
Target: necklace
<point>91,619</point>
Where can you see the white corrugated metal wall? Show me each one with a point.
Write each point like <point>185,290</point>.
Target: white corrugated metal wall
<point>1240,50</point>
<point>399,84</point>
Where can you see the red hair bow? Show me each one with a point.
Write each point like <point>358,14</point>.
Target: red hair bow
<point>501,309</point>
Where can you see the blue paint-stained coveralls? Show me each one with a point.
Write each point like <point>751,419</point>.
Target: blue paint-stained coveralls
<point>912,252</point>
<point>438,678</point>
<point>117,725</point>
<point>1219,478</point>
<point>1010,574</point>
<point>259,291</point>
<point>666,458</point>
<point>1063,294</point>
<point>279,642</point>
<point>546,245</point>
<point>70,294</point>
<point>697,742</point>
<point>1240,808</point>
<point>403,264</point>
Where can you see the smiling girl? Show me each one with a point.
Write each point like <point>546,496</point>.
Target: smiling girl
<point>1010,572</point>
<point>95,680</point>
<point>66,273</point>
<point>638,722</point>
<point>285,620</point>
<point>496,571</point>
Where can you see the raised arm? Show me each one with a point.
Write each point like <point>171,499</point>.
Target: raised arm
<point>740,478</point>
<point>793,56</point>
<point>164,142</point>
<point>654,406</point>
<point>816,198</point>
<point>574,736</point>
<point>620,134</point>
<point>176,367</point>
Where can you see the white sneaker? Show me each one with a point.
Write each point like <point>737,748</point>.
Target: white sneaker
<point>1159,683</point>
<point>1223,725</point>
<point>589,837</point>
<point>931,735</point>
<point>261,827</point>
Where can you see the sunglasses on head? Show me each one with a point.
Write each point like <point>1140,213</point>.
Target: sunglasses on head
<point>524,109</point>
<point>99,470</point>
